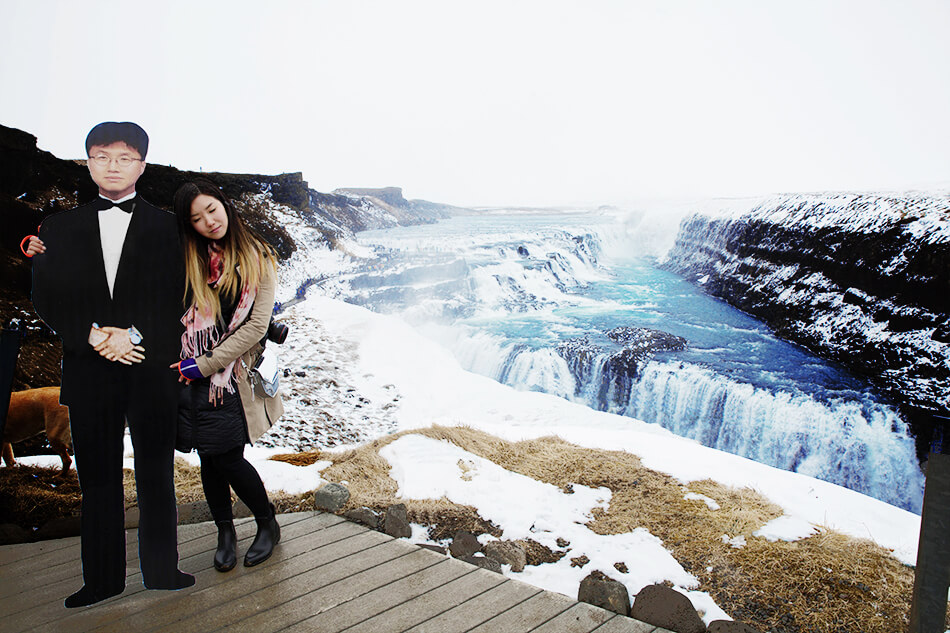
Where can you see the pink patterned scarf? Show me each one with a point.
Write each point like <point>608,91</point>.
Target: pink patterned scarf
<point>202,332</point>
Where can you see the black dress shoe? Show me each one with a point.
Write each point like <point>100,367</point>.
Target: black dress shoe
<point>225,557</point>
<point>87,596</point>
<point>268,535</point>
<point>180,580</point>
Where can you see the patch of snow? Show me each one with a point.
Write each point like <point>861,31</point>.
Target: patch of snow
<point>736,542</point>
<point>694,496</point>
<point>786,528</point>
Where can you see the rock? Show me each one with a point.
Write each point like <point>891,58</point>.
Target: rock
<point>363,515</point>
<point>59,528</point>
<point>538,554</point>
<point>621,567</point>
<point>856,297</point>
<point>941,333</point>
<point>11,533</point>
<point>639,345</point>
<point>194,512</point>
<point>579,561</point>
<point>484,562</point>
<point>662,606</point>
<point>396,521</point>
<point>132,518</point>
<point>434,548</point>
<point>605,592</point>
<point>562,542</point>
<point>728,626</point>
<point>507,553</point>
<point>464,544</point>
<point>331,497</point>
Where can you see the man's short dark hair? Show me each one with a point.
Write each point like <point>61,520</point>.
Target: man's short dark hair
<point>110,132</point>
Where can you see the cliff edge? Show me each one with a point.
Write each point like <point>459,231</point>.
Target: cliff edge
<point>862,279</point>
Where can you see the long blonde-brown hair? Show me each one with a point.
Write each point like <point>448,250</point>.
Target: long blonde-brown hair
<point>241,249</point>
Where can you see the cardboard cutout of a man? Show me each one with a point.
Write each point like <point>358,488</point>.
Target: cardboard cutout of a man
<point>110,284</point>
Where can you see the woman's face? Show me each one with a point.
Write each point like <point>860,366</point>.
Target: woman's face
<point>208,217</point>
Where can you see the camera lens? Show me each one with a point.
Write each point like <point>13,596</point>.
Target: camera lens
<point>277,332</point>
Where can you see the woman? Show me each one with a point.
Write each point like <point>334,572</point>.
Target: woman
<point>230,282</point>
<point>231,279</point>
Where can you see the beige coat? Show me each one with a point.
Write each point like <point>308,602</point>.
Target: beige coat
<point>244,343</point>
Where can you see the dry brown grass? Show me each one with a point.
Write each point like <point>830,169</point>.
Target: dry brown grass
<point>827,583</point>
<point>31,496</point>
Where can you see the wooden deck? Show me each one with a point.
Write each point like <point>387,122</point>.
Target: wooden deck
<point>327,575</point>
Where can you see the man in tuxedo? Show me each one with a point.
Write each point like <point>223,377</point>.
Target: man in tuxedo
<point>110,283</point>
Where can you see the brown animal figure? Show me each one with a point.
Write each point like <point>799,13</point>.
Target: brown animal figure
<point>31,412</point>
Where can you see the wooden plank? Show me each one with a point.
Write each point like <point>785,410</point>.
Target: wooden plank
<point>195,558</point>
<point>196,554</point>
<point>350,584</point>
<point>225,605</point>
<point>64,562</point>
<point>581,618</point>
<point>45,604</point>
<point>35,570</point>
<point>478,609</point>
<point>326,575</point>
<point>383,598</point>
<point>158,609</point>
<point>526,615</point>
<point>46,601</point>
<point>19,551</point>
<point>431,603</point>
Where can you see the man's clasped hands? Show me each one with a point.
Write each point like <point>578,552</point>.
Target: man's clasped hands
<point>115,344</point>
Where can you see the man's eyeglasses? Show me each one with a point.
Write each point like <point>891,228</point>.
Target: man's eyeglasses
<point>102,160</point>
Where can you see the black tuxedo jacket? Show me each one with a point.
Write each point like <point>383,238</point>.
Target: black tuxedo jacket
<point>70,293</point>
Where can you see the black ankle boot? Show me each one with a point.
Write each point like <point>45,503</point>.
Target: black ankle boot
<point>225,557</point>
<point>268,535</point>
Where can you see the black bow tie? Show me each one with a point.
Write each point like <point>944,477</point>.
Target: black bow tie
<point>102,204</point>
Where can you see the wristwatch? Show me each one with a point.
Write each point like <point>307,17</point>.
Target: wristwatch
<point>135,336</point>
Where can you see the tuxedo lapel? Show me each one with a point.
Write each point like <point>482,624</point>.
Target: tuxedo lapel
<point>90,258</point>
<point>129,268</point>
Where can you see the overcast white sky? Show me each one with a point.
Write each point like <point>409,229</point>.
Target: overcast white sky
<point>489,103</point>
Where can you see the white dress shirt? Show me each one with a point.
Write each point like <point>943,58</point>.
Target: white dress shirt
<point>113,225</point>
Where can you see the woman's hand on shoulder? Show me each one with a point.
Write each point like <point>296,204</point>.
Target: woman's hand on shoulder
<point>35,246</point>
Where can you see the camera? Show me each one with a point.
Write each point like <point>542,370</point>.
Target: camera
<point>277,331</point>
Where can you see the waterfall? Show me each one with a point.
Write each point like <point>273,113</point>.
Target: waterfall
<point>863,446</point>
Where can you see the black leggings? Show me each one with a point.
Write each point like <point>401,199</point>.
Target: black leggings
<point>220,473</point>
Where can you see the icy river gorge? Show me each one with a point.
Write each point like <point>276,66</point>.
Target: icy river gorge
<point>577,304</point>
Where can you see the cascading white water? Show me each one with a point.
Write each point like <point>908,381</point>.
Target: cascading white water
<point>865,447</point>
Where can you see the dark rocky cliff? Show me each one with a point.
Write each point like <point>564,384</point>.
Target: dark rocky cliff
<point>34,184</point>
<point>861,279</point>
